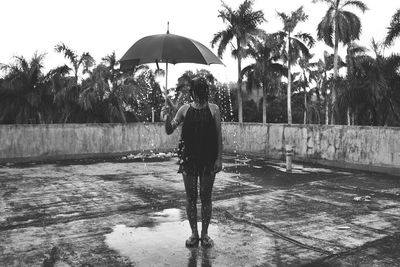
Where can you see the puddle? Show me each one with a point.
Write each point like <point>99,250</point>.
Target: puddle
<point>162,243</point>
<point>301,169</point>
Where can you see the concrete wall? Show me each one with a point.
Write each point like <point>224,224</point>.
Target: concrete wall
<point>367,148</point>
<point>373,148</point>
<point>54,141</point>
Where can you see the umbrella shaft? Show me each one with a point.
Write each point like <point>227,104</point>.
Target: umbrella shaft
<point>166,83</point>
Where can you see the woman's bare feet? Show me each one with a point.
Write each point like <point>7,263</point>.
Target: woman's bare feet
<point>192,241</point>
<point>206,241</point>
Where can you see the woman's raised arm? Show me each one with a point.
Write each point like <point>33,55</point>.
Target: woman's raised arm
<point>171,125</point>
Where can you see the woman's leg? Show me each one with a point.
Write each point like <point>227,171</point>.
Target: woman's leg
<point>190,181</point>
<point>207,178</point>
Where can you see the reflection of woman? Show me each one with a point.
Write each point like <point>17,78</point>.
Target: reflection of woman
<point>205,258</point>
<point>200,152</point>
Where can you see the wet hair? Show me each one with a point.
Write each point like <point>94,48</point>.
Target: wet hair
<point>199,87</point>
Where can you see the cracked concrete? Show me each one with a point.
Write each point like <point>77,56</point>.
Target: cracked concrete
<point>124,213</point>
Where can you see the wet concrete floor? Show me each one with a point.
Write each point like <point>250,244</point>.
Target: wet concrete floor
<point>125,213</point>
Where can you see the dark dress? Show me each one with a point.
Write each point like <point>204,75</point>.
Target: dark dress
<point>198,144</point>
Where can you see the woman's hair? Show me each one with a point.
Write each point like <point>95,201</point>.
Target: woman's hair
<point>199,87</point>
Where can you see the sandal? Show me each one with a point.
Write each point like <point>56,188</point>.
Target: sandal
<point>192,241</point>
<point>206,241</point>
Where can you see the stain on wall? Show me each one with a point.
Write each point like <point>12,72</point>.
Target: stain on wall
<point>358,145</point>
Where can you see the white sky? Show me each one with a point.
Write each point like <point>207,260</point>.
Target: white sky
<point>100,26</point>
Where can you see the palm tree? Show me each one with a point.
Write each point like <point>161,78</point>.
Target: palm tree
<point>116,93</point>
<point>243,26</point>
<point>321,80</point>
<point>339,25</point>
<point>324,79</point>
<point>100,101</point>
<point>371,87</point>
<point>266,68</point>
<point>25,95</point>
<point>141,92</point>
<point>85,60</point>
<point>302,81</point>
<point>383,81</point>
<point>355,54</point>
<point>394,29</point>
<point>297,45</point>
<point>67,96</point>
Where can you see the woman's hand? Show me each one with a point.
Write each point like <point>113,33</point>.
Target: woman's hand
<point>165,113</point>
<point>218,165</point>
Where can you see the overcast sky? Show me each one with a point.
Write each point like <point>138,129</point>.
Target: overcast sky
<point>100,26</point>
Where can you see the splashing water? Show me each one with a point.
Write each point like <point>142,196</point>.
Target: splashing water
<point>230,102</point>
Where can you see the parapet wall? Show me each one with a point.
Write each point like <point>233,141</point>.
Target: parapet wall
<point>368,148</point>
<point>62,141</point>
<point>359,147</point>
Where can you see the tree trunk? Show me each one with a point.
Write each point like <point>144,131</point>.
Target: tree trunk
<point>326,110</point>
<point>348,117</point>
<point>264,104</point>
<point>122,113</point>
<point>289,87</point>
<point>66,117</point>
<point>239,90</point>
<point>76,75</point>
<point>305,106</point>
<point>335,72</point>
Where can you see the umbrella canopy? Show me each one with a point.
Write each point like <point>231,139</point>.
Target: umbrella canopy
<point>168,48</point>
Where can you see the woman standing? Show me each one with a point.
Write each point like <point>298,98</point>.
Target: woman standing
<point>200,154</point>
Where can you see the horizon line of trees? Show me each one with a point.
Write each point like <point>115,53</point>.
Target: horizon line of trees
<point>77,92</point>
<point>295,89</point>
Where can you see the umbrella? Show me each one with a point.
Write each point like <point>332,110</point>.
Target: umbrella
<point>167,48</point>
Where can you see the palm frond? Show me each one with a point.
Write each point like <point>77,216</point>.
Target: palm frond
<point>297,48</point>
<point>279,68</point>
<point>68,53</point>
<point>392,64</point>
<point>110,60</point>
<point>246,70</point>
<point>355,3</point>
<point>61,70</point>
<point>356,49</point>
<point>349,26</point>
<point>226,13</point>
<point>87,61</point>
<point>393,29</point>
<point>223,37</point>
<point>325,28</point>
<point>290,21</point>
<point>330,2</point>
<point>307,38</point>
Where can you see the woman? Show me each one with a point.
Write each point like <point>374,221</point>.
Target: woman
<point>200,153</point>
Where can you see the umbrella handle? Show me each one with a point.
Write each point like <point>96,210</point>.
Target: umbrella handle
<point>168,102</point>
<point>166,98</point>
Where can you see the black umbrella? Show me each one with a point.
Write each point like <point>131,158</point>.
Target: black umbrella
<point>167,48</point>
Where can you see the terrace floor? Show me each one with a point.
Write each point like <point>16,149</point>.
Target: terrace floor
<point>131,213</point>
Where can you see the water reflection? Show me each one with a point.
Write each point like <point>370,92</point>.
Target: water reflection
<point>200,257</point>
<point>160,243</point>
